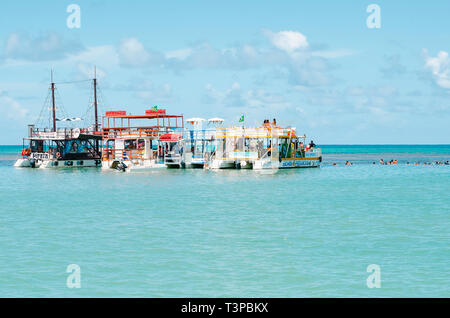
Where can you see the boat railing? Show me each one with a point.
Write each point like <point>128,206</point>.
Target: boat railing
<point>267,154</point>
<point>120,154</point>
<point>133,132</point>
<point>60,133</point>
<point>315,152</point>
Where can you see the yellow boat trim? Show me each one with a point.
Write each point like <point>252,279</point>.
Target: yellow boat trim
<point>311,158</point>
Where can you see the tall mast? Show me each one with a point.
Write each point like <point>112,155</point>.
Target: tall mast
<point>53,103</point>
<point>95,99</point>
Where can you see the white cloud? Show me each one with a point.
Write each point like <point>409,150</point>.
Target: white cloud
<point>147,91</point>
<point>12,108</point>
<point>289,55</point>
<point>159,94</point>
<point>288,41</point>
<point>181,54</point>
<point>86,70</point>
<point>231,97</point>
<point>104,55</point>
<point>24,49</point>
<point>132,53</point>
<point>393,66</point>
<point>45,47</point>
<point>439,67</point>
<point>257,99</point>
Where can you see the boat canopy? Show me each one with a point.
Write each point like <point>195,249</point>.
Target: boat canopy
<point>215,120</point>
<point>69,119</point>
<point>170,137</point>
<point>194,120</point>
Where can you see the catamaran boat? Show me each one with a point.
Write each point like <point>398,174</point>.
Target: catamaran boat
<point>62,147</point>
<point>172,146</point>
<point>199,143</point>
<point>294,153</point>
<point>133,142</point>
<point>263,147</point>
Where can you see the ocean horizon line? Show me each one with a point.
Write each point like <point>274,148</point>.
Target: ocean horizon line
<point>406,144</point>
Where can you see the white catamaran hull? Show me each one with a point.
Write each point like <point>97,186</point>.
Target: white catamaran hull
<point>137,165</point>
<point>173,161</point>
<point>265,164</point>
<point>300,163</point>
<point>53,164</point>
<point>222,164</point>
<point>23,163</point>
<point>194,163</point>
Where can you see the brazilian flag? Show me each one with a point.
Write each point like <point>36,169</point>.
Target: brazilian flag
<point>154,108</point>
<point>241,120</point>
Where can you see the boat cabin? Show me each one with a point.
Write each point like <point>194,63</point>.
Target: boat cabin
<point>134,140</point>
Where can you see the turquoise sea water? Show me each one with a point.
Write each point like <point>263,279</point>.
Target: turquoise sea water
<point>192,233</point>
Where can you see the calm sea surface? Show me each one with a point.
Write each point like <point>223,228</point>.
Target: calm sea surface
<point>194,233</point>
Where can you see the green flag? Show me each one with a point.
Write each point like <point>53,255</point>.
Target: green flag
<point>241,119</point>
<point>154,108</point>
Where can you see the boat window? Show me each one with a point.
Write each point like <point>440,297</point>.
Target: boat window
<point>141,144</point>
<point>130,144</point>
<point>37,146</point>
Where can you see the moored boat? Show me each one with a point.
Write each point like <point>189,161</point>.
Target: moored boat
<point>172,145</point>
<point>263,147</point>
<point>62,147</point>
<point>199,142</point>
<point>130,145</point>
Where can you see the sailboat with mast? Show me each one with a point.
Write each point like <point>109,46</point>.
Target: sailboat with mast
<point>62,147</point>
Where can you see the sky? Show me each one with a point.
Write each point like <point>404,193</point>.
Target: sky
<point>315,65</point>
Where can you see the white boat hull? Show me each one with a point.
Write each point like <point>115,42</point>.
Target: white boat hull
<point>299,163</point>
<point>265,164</point>
<point>194,163</point>
<point>22,163</point>
<point>54,164</point>
<point>137,165</point>
<point>222,164</point>
<point>173,162</point>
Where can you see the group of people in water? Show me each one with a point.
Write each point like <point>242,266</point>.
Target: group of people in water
<point>390,162</point>
<point>394,162</point>
<point>447,163</point>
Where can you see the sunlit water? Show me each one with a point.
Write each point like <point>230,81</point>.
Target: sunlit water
<point>175,233</point>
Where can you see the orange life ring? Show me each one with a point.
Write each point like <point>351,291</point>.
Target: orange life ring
<point>26,152</point>
<point>58,155</point>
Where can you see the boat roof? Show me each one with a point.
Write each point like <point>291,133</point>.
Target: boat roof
<point>60,138</point>
<point>170,137</point>
<point>195,120</point>
<point>146,116</point>
<point>216,120</point>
